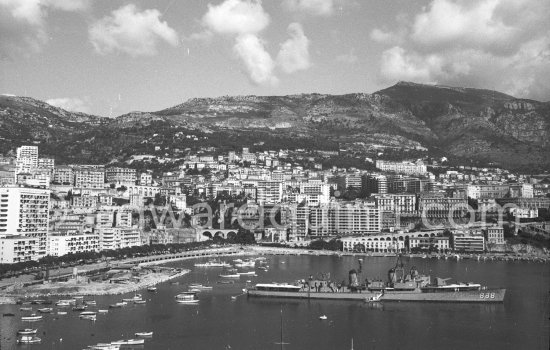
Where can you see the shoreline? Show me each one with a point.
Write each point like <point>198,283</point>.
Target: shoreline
<point>113,288</point>
<point>117,288</point>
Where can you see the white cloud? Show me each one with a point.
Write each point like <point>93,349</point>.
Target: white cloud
<point>35,11</point>
<point>294,53</point>
<point>23,23</point>
<point>348,58</point>
<point>397,64</point>
<point>256,59</point>
<point>132,31</point>
<point>447,22</point>
<point>71,104</point>
<point>236,17</point>
<point>312,7</point>
<point>495,44</point>
<point>244,20</point>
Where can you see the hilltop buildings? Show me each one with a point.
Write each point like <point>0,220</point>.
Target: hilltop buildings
<point>52,209</point>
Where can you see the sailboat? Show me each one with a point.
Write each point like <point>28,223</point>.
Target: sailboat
<point>282,343</point>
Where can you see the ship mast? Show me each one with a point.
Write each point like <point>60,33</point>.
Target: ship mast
<point>282,343</point>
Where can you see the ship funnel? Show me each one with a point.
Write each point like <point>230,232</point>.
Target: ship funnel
<point>392,278</point>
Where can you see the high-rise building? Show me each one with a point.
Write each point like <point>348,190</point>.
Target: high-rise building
<point>24,215</point>
<point>339,218</point>
<point>269,192</point>
<point>400,184</point>
<point>375,183</point>
<point>27,158</point>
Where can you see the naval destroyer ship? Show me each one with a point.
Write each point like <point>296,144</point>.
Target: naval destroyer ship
<point>402,285</point>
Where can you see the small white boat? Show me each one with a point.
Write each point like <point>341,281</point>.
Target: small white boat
<point>103,311</point>
<point>373,298</point>
<point>62,312</point>
<point>29,339</point>
<point>152,289</point>
<point>246,264</point>
<point>27,331</point>
<point>212,264</point>
<point>88,313</point>
<point>118,305</point>
<point>140,301</point>
<point>33,317</point>
<point>90,302</point>
<point>323,317</point>
<point>134,298</point>
<point>231,275</point>
<point>129,342</point>
<point>26,309</point>
<point>199,286</point>
<point>248,273</point>
<point>104,346</point>
<point>88,317</point>
<point>45,310</point>
<point>186,298</point>
<point>144,334</point>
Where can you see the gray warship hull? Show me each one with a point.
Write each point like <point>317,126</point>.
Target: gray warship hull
<point>489,295</point>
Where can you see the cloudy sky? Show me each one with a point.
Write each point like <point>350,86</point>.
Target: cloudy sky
<point>110,57</point>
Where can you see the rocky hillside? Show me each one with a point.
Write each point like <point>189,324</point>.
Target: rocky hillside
<point>24,119</point>
<point>475,124</point>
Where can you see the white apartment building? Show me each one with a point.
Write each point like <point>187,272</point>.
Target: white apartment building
<point>269,192</point>
<point>409,168</point>
<point>145,179</point>
<point>439,243</point>
<point>46,164</point>
<point>62,243</point>
<point>123,218</point>
<point>118,237</point>
<point>89,178</point>
<point>378,243</point>
<point>339,218</point>
<point>120,175</point>
<point>179,201</point>
<point>495,235</point>
<point>63,175</point>
<point>27,158</point>
<point>25,212</point>
<point>14,249</point>
<point>396,203</point>
<point>468,241</point>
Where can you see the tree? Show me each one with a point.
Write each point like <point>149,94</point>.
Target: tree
<point>245,237</point>
<point>122,188</point>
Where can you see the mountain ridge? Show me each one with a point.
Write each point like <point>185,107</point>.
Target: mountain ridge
<point>477,124</point>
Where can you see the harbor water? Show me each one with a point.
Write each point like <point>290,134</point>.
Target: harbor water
<point>219,321</point>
